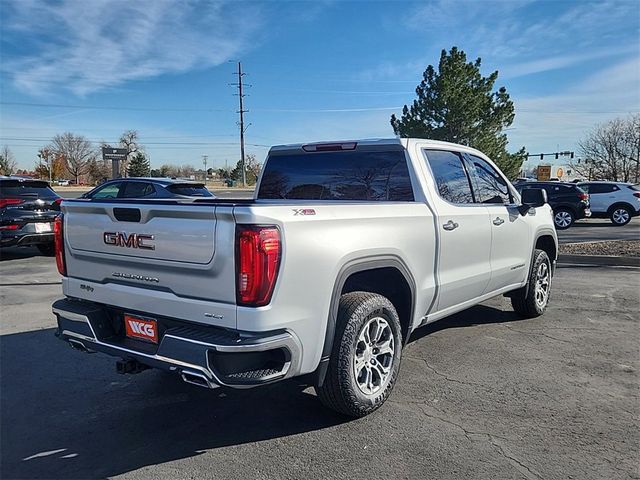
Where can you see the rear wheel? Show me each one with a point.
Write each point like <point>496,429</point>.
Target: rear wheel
<point>620,215</point>
<point>563,218</point>
<point>531,301</point>
<point>47,249</point>
<point>365,359</point>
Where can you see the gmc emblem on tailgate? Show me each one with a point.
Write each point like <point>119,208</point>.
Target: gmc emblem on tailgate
<point>132,240</point>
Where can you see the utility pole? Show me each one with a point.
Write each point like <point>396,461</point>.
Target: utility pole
<point>242,111</point>
<point>204,160</point>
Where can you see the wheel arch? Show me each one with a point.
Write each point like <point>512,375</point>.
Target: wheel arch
<point>624,204</point>
<point>366,274</point>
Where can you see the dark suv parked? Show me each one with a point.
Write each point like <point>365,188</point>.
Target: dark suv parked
<point>569,202</point>
<point>27,210</point>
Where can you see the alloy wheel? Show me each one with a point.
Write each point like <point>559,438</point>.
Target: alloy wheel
<point>374,356</point>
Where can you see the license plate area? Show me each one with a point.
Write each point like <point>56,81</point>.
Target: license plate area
<point>140,328</point>
<point>43,227</point>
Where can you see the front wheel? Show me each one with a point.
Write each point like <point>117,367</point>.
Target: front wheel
<point>531,301</point>
<point>620,216</point>
<point>563,219</point>
<point>365,359</point>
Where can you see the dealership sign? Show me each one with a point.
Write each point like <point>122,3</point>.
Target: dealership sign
<point>116,155</point>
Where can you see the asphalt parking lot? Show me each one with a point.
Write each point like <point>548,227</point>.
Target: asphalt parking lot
<point>481,395</point>
<point>599,229</point>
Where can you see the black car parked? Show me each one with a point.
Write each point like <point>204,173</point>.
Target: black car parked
<point>568,201</point>
<point>28,209</point>
<point>143,187</point>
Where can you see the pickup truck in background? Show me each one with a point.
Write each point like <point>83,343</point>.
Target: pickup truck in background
<point>345,249</point>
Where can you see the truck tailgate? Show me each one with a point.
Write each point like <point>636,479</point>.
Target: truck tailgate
<point>164,249</point>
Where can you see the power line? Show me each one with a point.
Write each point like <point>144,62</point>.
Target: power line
<point>107,107</point>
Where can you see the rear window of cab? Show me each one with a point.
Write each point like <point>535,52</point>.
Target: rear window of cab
<point>371,176</point>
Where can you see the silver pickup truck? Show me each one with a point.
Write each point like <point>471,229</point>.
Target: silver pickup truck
<point>345,249</point>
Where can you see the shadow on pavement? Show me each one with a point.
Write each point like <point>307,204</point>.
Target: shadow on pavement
<point>18,253</point>
<point>478,315</point>
<point>67,414</point>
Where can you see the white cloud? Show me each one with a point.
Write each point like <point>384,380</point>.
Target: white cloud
<point>519,37</point>
<point>85,46</point>
<point>544,122</point>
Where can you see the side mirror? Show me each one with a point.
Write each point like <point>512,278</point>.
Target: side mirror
<point>532,198</point>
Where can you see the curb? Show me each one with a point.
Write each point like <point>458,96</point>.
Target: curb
<point>600,260</point>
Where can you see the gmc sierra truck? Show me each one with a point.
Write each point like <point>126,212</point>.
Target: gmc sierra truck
<point>345,249</point>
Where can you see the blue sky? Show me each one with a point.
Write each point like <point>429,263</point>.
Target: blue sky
<point>319,70</point>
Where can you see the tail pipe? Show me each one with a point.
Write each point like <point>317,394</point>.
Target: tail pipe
<point>196,378</point>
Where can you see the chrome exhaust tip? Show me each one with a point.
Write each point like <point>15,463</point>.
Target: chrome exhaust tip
<point>77,345</point>
<point>196,378</point>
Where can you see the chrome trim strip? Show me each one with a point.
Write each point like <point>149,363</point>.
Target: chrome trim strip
<point>78,335</point>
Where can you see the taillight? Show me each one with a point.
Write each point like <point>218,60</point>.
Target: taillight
<point>636,194</point>
<point>10,201</point>
<point>583,196</point>
<point>9,227</point>
<point>58,241</point>
<point>258,252</point>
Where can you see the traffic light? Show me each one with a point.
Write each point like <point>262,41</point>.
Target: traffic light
<point>542,156</point>
<point>556,155</point>
<point>571,154</point>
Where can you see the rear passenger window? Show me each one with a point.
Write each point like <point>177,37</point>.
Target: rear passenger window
<point>450,176</point>
<point>601,188</point>
<point>490,187</point>
<point>138,190</point>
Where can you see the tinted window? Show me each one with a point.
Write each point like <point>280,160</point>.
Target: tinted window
<point>490,187</point>
<point>189,190</point>
<point>450,176</point>
<point>351,175</point>
<point>15,188</point>
<point>599,188</point>
<point>108,191</point>
<point>138,189</point>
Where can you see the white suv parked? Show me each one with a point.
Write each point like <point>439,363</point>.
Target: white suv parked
<point>617,201</point>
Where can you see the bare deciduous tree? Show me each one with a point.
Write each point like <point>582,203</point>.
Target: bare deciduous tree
<point>7,162</point>
<point>130,141</point>
<point>76,151</point>
<point>611,151</point>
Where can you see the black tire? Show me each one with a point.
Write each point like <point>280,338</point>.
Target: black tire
<point>620,215</point>
<point>341,391</point>
<point>563,218</point>
<point>524,300</point>
<point>47,249</point>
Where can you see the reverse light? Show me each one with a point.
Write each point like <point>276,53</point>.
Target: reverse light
<point>258,251</point>
<point>10,201</point>
<point>58,242</point>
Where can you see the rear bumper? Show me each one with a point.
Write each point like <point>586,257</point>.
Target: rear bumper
<point>216,356</point>
<point>23,239</point>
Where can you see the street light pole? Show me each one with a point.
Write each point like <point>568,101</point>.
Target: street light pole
<point>204,160</point>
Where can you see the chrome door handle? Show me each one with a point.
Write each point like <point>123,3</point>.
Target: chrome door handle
<point>498,221</point>
<point>450,225</point>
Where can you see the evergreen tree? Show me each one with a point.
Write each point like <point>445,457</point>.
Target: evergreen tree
<point>139,166</point>
<point>457,104</point>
